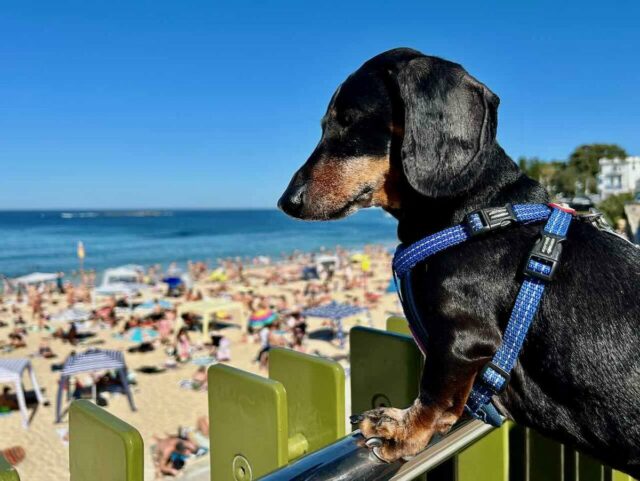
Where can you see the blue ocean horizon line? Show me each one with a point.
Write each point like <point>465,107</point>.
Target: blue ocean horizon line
<point>35,240</point>
<point>136,209</point>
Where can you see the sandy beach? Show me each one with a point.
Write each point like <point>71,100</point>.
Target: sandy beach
<point>163,404</point>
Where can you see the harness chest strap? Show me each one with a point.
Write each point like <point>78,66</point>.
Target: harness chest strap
<point>539,269</point>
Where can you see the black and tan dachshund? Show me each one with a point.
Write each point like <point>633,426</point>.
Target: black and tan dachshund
<point>416,135</point>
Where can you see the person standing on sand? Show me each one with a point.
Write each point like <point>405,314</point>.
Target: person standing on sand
<point>183,345</point>
<point>60,282</point>
<point>35,301</point>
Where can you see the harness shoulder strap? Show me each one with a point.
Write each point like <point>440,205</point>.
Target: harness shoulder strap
<point>539,269</point>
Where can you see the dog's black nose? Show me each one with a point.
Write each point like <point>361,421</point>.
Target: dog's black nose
<point>292,201</point>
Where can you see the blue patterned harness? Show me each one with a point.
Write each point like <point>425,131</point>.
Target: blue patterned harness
<point>539,269</point>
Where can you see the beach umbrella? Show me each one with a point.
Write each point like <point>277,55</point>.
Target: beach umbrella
<point>71,315</point>
<point>261,318</point>
<point>336,312</point>
<point>117,288</point>
<point>36,278</point>
<point>173,282</point>
<point>141,334</point>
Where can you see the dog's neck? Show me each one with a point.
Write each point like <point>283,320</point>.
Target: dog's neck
<point>499,183</point>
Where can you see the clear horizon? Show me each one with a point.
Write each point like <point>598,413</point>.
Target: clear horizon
<point>207,105</point>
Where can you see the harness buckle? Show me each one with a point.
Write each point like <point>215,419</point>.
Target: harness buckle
<point>544,258</point>
<point>490,219</point>
<point>501,372</point>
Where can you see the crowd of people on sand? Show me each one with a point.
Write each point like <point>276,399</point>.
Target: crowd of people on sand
<point>273,293</point>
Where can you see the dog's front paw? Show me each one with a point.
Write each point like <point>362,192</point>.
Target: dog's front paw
<point>403,432</point>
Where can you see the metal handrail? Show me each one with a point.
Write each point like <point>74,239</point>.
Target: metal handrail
<point>349,458</point>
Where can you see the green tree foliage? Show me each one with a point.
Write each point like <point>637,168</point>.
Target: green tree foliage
<point>585,158</point>
<point>585,161</point>
<point>613,207</point>
<point>575,176</point>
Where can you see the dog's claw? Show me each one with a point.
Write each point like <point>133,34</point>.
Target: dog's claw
<point>373,443</point>
<point>376,453</point>
<point>356,418</point>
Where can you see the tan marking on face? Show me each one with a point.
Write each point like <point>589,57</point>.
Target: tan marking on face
<point>334,184</point>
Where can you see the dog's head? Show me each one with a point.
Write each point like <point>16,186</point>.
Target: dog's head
<point>401,121</point>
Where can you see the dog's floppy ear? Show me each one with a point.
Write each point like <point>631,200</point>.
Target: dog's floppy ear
<point>450,117</point>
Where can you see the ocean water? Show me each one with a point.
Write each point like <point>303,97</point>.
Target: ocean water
<point>46,241</point>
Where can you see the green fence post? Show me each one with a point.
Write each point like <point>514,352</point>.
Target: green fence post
<point>399,325</point>
<point>315,399</point>
<point>7,472</point>
<point>248,419</point>
<point>545,458</point>
<point>487,459</point>
<point>385,369</point>
<point>259,424</point>
<point>618,476</point>
<point>103,447</point>
<point>589,469</point>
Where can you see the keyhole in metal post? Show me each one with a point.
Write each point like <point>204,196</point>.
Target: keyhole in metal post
<point>380,401</point>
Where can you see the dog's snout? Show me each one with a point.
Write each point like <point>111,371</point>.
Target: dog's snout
<point>292,201</point>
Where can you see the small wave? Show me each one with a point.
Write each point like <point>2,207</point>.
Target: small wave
<point>138,213</point>
<point>131,213</point>
<point>80,215</point>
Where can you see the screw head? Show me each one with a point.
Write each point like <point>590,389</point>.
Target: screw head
<point>241,469</point>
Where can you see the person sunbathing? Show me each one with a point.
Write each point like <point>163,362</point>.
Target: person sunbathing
<point>171,454</point>
<point>71,335</point>
<point>45,351</point>
<point>199,379</point>
<point>16,338</point>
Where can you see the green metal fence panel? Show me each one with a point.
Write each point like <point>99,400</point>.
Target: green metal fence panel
<point>589,469</point>
<point>545,458</point>
<point>315,389</point>
<point>248,419</point>
<point>486,460</point>
<point>101,446</point>
<point>7,472</point>
<point>385,369</point>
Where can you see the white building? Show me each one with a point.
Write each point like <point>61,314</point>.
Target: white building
<point>619,176</point>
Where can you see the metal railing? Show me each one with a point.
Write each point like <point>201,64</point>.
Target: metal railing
<point>349,458</point>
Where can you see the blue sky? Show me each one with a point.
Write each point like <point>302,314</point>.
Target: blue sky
<point>214,104</point>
